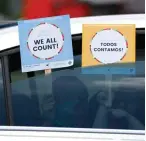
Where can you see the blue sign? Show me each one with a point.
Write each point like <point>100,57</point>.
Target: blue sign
<point>45,43</point>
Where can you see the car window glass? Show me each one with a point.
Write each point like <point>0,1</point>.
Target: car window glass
<point>68,98</point>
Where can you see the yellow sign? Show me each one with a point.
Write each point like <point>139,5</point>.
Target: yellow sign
<point>108,44</point>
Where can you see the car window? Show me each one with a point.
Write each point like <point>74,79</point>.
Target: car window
<point>3,119</point>
<point>68,98</point>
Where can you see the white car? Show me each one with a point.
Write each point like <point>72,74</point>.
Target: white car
<point>51,107</point>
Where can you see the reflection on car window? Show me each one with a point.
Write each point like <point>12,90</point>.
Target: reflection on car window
<point>67,98</point>
<point>2,100</point>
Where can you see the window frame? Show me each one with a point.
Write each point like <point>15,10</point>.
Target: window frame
<point>7,89</point>
<point>6,74</point>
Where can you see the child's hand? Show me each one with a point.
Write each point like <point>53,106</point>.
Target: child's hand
<point>102,98</point>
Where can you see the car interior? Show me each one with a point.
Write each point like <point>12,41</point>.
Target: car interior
<point>68,98</point>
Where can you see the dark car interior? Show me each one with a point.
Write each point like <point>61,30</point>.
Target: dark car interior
<point>68,98</point>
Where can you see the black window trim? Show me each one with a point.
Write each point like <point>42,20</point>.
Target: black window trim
<point>7,89</point>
